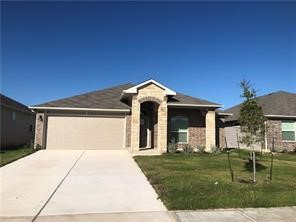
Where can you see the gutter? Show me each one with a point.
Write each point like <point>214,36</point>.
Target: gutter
<point>79,109</point>
<point>274,116</point>
<point>194,105</point>
<point>280,116</point>
<point>224,114</point>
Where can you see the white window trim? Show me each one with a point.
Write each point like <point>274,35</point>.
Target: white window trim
<point>181,130</point>
<point>288,141</point>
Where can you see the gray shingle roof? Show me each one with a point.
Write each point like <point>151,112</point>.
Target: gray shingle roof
<point>101,99</point>
<point>277,103</point>
<point>181,98</point>
<point>110,99</point>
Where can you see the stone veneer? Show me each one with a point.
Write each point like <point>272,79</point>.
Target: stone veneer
<point>210,130</point>
<point>128,131</point>
<point>39,129</point>
<point>274,132</point>
<point>153,93</point>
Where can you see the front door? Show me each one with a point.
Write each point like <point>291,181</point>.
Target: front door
<point>144,132</point>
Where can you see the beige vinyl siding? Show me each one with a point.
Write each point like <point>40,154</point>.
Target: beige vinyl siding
<point>234,132</point>
<point>67,132</point>
<point>231,133</point>
<point>17,127</point>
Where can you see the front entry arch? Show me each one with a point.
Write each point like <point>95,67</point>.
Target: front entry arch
<point>148,125</point>
<point>153,99</point>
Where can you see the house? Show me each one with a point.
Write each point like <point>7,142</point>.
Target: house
<point>279,109</point>
<point>17,123</point>
<point>142,117</point>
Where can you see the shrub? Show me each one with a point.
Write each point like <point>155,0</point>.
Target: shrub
<point>188,148</point>
<point>172,147</point>
<point>38,147</point>
<point>199,149</point>
<point>279,149</point>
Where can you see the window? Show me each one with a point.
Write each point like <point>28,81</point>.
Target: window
<point>13,115</point>
<point>179,129</point>
<point>288,130</point>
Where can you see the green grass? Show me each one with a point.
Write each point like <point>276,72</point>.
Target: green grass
<point>10,155</point>
<point>187,181</point>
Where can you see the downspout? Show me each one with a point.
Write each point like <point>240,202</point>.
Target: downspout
<point>265,136</point>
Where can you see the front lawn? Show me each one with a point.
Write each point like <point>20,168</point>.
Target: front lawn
<point>9,155</point>
<point>201,181</point>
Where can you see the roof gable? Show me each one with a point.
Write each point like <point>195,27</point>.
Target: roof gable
<point>134,89</point>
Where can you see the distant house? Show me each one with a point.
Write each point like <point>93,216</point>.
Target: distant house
<point>17,123</point>
<point>280,110</point>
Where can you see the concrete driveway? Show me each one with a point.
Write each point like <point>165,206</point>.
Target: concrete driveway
<point>108,185</point>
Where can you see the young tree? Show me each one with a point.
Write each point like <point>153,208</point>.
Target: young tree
<point>252,121</point>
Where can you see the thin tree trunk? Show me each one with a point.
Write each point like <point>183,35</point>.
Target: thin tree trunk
<point>254,167</point>
<point>230,168</point>
<point>237,139</point>
<point>226,147</point>
<point>271,161</point>
<point>271,166</point>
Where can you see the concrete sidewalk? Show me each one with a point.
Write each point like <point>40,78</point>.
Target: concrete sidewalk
<point>275,214</point>
<point>279,214</point>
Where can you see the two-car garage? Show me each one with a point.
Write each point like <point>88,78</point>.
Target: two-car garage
<point>84,132</point>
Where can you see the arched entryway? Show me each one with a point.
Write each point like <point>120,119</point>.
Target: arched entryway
<point>148,125</point>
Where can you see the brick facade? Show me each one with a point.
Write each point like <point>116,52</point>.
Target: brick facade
<point>196,125</point>
<point>274,133</point>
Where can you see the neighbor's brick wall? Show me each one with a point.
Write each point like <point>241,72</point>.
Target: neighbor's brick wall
<point>274,130</point>
<point>39,128</point>
<point>289,146</point>
<point>196,121</point>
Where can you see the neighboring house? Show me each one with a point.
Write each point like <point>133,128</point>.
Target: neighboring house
<point>280,110</point>
<point>140,118</point>
<point>17,123</point>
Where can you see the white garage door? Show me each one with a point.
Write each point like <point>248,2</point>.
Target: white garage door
<point>85,133</point>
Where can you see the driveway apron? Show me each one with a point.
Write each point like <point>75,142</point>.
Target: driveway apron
<point>73,182</point>
<point>104,182</point>
<point>26,184</point>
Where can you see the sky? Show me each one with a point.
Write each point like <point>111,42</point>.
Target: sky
<point>52,50</point>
